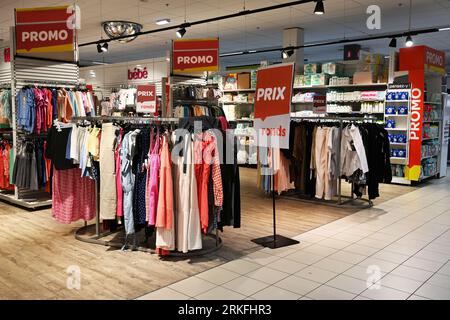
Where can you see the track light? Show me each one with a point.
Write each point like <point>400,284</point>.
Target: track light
<point>393,43</point>
<point>102,48</point>
<point>287,53</point>
<point>409,41</point>
<point>181,32</point>
<point>319,9</point>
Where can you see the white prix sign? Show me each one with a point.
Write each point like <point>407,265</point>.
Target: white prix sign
<point>146,99</point>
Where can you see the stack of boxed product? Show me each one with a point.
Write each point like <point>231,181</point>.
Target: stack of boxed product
<point>371,68</point>
<point>316,74</point>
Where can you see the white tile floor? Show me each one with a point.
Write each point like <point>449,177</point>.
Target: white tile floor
<point>397,250</point>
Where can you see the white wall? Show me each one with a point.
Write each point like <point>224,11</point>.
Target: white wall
<point>114,75</point>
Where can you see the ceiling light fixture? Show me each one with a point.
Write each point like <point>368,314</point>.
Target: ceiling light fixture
<point>409,41</point>
<point>181,32</point>
<point>99,48</point>
<point>319,9</point>
<point>119,29</point>
<point>393,43</point>
<point>444,29</point>
<point>102,48</point>
<point>287,53</point>
<point>162,22</point>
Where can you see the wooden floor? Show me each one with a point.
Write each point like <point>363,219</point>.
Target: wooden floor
<point>35,251</point>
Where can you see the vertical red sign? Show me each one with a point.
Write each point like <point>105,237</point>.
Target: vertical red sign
<point>273,105</point>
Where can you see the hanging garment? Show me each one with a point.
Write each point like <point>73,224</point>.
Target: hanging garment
<point>189,236</point>
<point>165,220</point>
<point>73,197</point>
<point>119,190</point>
<point>108,190</point>
<point>154,163</point>
<point>127,179</point>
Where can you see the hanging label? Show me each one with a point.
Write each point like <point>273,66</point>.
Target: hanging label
<point>273,105</point>
<point>195,55</point>
<point>146,99</point>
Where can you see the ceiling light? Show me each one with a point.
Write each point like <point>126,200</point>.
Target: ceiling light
<point>393,43</point>
<point>181,32</point>
<point>444,29</point>
<point>162,22</point>
<point>99,48</point>
<point>409,41</point>
<point>319,9</point>
<point>105,47</point>
<point>115,29</point>
<point>287,53</point>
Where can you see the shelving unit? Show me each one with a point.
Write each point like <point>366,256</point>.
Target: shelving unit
<point>399,164</point>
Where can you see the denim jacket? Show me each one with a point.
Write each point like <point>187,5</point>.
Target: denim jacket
<point>26,110</point>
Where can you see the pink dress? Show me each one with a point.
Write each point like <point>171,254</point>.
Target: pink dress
<point>119,190</point>
<point>154,161</point>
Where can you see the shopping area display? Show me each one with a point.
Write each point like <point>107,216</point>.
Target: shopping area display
<point>322,151</point>
<point>140,186</point>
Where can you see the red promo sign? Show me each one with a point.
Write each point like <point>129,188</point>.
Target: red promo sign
<point>273,105</point>
<point>194,55</point>
<point>7,55</point>
<point>44,30</point>
<point>435,59</point>
<point>146,99</point>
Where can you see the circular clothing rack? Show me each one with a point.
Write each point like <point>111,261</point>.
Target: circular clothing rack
<point>80,235</point>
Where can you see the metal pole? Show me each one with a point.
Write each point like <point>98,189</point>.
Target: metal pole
<point>273,201</point>
<point>97,209</point>
<point>339,163</point>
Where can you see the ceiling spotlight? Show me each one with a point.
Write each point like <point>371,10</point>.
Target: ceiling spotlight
<point>393,43</point>
<point>101,48</point>
<point>287,53</point>
<point>162,22</point>
<point>319,9</point>
<point>181,32</point>
<point>409,41</point>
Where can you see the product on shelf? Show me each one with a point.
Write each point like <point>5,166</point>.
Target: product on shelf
<point>390,123</point>
<point>430,149</point>
<point>332,68</point>
<point>311,68</point>
<point>338,81</point>
<point>398,170</point>
<point>429,167</point>
<point>430,131</point>
<point>397,95</point>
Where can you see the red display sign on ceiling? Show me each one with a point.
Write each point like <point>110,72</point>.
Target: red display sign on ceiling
<point>46,29</point>
<point>273,105</point>
<point>146,99</point>
<point>195,55</point>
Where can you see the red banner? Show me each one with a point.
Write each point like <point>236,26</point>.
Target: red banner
<point>7,55</point>
<point>44,30</point>
<point>194,55</point>
<point>146,99</point>
<point>273,105</point>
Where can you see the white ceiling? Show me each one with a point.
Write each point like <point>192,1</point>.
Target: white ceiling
<point>343,18</point>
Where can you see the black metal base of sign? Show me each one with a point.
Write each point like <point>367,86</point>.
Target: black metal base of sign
<point>279,242</point>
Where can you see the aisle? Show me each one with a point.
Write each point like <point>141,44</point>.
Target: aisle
<point>35,251</point>
<point>397,250</point>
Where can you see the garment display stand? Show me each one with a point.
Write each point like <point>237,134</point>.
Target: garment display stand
<point>274,241</point>
<point>350,200</point>
<point>37,72</point>
<point>97,238</point>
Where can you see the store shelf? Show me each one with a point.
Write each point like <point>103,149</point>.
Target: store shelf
<point>233,102</point>
<point>238,90</point>
<point>401,180</point>
<point>429,157</point>
<point>432,121</point>
<point>27,203</point>
<point>242,120</point>
<point>394,101</point>
<point>302,102</point>
<point>398,158</point>
<point>396,129</point>
<point>436,103</point>
<point>398,144</point>
<point>310,87</point>
<point>358,85</point>
<point>396,115</point>
<point>430,176</point>
<point>354,101</point>
<point>429,139</point>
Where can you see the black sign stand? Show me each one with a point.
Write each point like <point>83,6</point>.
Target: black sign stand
<point>274,241</point>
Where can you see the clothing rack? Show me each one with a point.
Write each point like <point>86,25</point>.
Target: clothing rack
<point>97,238</point>
<point>341,121</point>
